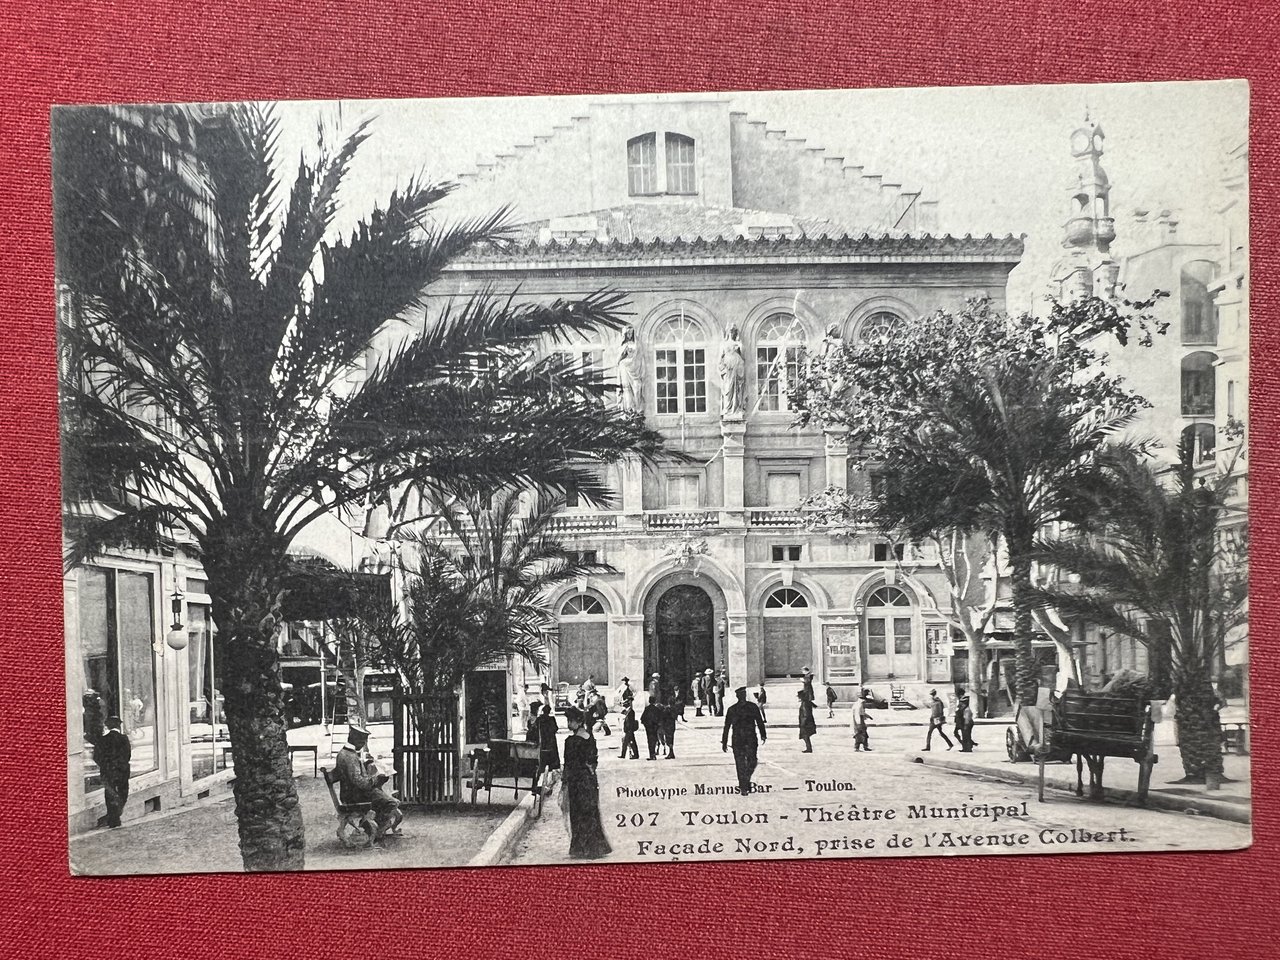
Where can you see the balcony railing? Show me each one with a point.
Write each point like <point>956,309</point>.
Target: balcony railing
<point>584,523</point>
<point>680,519</point>
<point>776,517</point>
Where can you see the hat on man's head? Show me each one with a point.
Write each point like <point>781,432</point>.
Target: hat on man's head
<point>807,671</point>
<point>741,690</point>
<point>113,721</point>
<point>655,676</point>
<point>709,671</point>
<point>356,730</point>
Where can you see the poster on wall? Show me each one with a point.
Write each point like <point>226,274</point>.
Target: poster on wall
<point>360,399</point>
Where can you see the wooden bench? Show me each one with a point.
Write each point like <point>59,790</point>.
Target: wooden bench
<point>1235,737</point>
<point>356,824</point>
<point>310,748</point>
<point>513,760</point>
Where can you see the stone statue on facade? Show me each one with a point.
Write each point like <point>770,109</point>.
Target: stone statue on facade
<point>733,377</point>
<point>630,373</point>
<point>824,361</point>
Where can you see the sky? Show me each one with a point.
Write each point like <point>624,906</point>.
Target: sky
<point>996,158</point>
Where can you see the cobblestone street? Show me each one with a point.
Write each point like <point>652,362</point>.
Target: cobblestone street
<point>833,803</point>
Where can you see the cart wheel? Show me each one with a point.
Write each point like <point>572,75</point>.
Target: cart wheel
<point>1011,745</point>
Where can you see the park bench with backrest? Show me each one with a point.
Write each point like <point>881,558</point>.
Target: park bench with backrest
<point>356,823</point>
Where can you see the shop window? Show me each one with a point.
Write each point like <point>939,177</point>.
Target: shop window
<point>207,727</point>
<point>786,553</point>
<point>116,624</point>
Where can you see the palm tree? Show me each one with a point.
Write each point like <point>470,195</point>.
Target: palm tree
<point>1153,567</point>
<point>207,356</point>
<point>480,589</point>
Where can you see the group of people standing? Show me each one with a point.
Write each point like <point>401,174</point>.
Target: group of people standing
<point>963,718</point>
<point>708,689</point>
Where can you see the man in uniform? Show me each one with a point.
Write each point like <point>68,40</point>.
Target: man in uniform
<point>743,718</point>
<point>361,786</point>
<point>112,753</point>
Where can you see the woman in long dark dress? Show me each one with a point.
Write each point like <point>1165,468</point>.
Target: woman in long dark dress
<point>580,792</point>
<point>545,728</point>
<point>808,726</point>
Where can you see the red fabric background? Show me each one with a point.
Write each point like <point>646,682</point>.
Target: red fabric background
<point>1097,905</point>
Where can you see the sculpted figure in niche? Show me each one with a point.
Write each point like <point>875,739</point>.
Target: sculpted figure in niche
<point>733,377</point>
<point>630,374</point>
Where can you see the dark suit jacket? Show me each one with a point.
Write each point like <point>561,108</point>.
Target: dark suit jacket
<point>357,785</point>
<point>112,754</point>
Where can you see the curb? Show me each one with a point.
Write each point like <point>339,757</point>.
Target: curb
<point>502,841</point>
<point>1155,799</point>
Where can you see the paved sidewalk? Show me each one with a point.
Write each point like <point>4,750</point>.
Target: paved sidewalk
<point>203,839</point>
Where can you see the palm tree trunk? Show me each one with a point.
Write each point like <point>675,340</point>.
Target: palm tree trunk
<point>1028,670</point>
<point>246,605</point>
<point>1199,731</point>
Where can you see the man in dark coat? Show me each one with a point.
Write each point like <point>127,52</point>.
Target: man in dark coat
<point>651,719</point>
<point>359,785</point>
<point>112,753</point>
<point>743,718</point>
<point>668,729</point>
<point>629,728</point>
<point>808,726</point>
<point>964,724</point>
<point>937,718</point>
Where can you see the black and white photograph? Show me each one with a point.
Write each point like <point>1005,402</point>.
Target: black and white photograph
<point>803,475</point>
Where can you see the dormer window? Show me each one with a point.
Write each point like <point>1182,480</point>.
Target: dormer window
<point>676,176</point>
<point>680,171</point>
<point>642,166</point>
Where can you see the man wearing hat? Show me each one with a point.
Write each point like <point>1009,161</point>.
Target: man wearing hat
<point>937,718</point>
<point>625,693</point>
<point>359,785</point>
<point>112,753</point>
<point>964,724</point>
<point>861,740</point>
<point>743,718</point>
<point>709,691</point>
<point>655,691</point>
<point>629,728</point>
<point>808,725</point>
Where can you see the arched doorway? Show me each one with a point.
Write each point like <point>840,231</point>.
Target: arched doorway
<point>788,633</point>
<point>684,633</point>
<point>890,632</point>
<point>583,647</point>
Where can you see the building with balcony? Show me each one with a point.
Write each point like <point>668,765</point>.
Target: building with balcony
<point>741,249</point>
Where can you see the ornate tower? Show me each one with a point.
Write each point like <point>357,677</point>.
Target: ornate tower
<point>1087,267</point>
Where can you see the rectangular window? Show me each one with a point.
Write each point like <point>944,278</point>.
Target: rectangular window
<point>875,637</point>
<point>901,634</point>
<point>786,553</point>
<point>885,552</point>
<point>682,491</point>
<point>680,165</point>
<point>666,377</point>
<point>116,637</point>
<point>695,381</point>
<point>642,166</point>
<point>571,498</point>
<point>774,376</point>
<point>782,490</point>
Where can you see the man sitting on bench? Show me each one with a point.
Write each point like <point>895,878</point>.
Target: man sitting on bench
<point>359,785</point>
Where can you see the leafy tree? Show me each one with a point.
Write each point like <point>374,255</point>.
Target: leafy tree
<point>213,321</point>
<point>983,422</point>
<point>1154,567</point>
<point>478,590</point>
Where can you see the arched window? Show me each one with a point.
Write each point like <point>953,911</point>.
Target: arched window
<point>779,354</point>
<point>681,176</point>
<point>583,605</point>
<point>878,325</point>
<point>583,647</point>
<point>680,366</point>
<point>785,598</point>
<point>642,165</point>
<point>788,633</point>
<point>890,632</point>
<point>1198,312</point>
<point>1201,437</point>
<point>1198,384</point>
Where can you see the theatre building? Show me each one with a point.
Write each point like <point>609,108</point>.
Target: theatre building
<point>741,251</point>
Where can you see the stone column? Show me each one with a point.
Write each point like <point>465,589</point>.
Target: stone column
<point>735,643</point>
<point>734,449</point>
<point>837,449</point>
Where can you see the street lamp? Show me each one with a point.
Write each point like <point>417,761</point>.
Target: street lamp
<point>176,638</point>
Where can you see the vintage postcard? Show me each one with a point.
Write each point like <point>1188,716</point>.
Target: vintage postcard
<point>806,475</point>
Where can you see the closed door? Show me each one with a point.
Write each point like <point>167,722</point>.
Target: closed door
<point>891,646</point>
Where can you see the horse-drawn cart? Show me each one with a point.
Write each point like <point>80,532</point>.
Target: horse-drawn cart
<point>1093,727</point>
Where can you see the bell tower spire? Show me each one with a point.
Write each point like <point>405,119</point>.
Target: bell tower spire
<point>1088,268</point>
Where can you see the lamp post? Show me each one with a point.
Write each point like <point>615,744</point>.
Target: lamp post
<point>176,638</point>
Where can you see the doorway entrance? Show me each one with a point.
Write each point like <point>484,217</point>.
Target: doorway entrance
<point>891,642</point>
<point>684,627</point>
